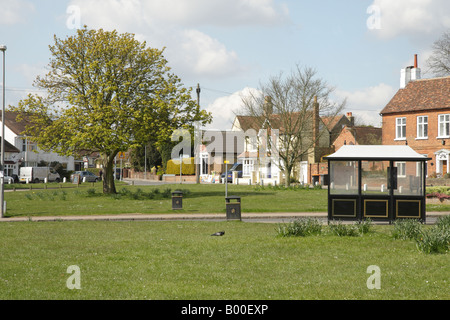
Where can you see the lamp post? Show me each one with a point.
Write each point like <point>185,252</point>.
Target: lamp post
<point>2,180</point>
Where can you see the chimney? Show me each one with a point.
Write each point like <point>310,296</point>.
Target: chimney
<point>316,121</point>
<point>409,73</point>
<point>351,118</point>
<point>415,72</point>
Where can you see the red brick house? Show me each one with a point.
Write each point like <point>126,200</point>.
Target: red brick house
<point>358,135</point>
<point>419,115</point>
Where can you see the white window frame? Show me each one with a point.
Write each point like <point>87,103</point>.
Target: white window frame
<point>247,167</point>
<point>422,127</point>
<point>401,169</point>
<point>400,123</point>
<point>444,125</point>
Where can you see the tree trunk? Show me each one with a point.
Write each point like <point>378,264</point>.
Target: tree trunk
<point>109,186</point>
<point>287,173</point>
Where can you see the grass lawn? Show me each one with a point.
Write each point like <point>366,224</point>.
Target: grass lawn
<point>180,260</point>
<point>88,199</point>
<point>144,199</point>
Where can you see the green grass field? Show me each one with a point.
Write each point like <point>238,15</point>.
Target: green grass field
<point>144,199</point>
<point>180,260</point>
<point>88,199</point>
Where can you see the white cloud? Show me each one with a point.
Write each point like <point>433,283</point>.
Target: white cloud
<point>224,109</point>
<point>172,24</point>
<point>415,18</point>
<point>218,12</point>
<point>13,12</point>
<point>367,103</point>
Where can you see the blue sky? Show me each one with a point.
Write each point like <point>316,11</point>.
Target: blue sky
<point>231,46</point>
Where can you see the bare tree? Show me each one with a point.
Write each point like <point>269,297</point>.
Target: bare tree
<point>291,104</point>
<point>439,61</point>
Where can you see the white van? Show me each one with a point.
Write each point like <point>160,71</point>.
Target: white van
<point>38,174</point>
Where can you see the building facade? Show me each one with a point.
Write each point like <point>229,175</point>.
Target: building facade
<point>419,116</point>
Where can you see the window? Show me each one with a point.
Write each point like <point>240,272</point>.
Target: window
<point>401,169</point>
<point>422,127</point>
<point>444,125</point>
<point>400,126</point>
<point>247,167</point>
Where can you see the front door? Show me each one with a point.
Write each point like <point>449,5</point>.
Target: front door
<point>304,172</point>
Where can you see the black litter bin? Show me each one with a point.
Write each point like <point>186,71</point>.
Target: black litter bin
<point>233,205</point>
<point>177,200</point>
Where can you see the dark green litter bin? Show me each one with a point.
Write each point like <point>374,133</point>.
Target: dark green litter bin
<point>177,200</point>
<point>233,207</point>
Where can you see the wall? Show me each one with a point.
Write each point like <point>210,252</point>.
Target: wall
<point>423,146</point>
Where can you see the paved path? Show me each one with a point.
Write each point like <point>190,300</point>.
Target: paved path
<point>266,216</point>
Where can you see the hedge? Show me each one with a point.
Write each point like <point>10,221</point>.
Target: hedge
<point>173,167</point>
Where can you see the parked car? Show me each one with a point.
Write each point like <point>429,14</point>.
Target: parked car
<point>38,174</point>
<point>8,179</point>
<point>236,167</point>
<point>90,177</point>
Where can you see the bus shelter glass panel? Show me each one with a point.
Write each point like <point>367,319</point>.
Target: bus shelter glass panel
<point>409,178</point>
<point>374,177</point>
<point>344,177</point>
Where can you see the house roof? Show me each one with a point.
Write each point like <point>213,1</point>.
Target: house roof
<point>377,152</point>
<point>10,148</point>
<point>332,122</point>
<point>276,121</point>
<point>10,121</point>
<point>366,135</point>
<point>222,142</point>
<point>419,95</point>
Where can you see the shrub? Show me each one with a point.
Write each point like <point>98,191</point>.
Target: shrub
<point>90,192</point>
<point>167,193</point>
<point>443,222</point>
<point>300,227</point>
<point>173,167</point>
<point>342,230</point>
<point>434,240</point>
<point>406,229</point>
<point>364,226</point>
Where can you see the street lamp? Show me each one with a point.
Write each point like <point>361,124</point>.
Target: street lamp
<point>2,180</point>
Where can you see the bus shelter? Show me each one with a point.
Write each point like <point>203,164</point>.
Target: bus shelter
<point>380,182</point>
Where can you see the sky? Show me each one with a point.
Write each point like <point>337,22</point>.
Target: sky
<point>231,47</point>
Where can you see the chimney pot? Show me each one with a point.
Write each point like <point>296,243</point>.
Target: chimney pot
<point>415,61</point>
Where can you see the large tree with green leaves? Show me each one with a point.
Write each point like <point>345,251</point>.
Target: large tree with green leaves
<point>107,92</point>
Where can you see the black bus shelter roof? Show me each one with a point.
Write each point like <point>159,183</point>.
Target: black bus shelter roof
<point>377,153</point>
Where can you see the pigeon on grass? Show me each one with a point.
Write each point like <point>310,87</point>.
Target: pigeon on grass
<point>220,233</point>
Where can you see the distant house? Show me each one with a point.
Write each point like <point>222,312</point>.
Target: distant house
<point>267,166</point>
<point>216,147</point>
<point>358,135</point>
<point>12,160</point>
<point>337,123</point>
<point>419,115</point>
<point>29,153</point>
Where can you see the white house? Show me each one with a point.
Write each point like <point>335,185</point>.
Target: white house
<point>29,153</point>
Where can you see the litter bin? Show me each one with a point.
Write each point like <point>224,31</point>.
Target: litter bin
<point>233,206</point>
<point>177,200</point>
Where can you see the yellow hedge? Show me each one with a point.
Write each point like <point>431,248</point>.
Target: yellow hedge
<point>173,167</point>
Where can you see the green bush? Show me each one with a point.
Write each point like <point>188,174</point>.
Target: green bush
<point>406,229</point>
<point>173,167</point>
<point>343,230</point>
<point>434,240</point>
<point>443,222</point>
<point>364,226</point>
<point>300,227</point>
